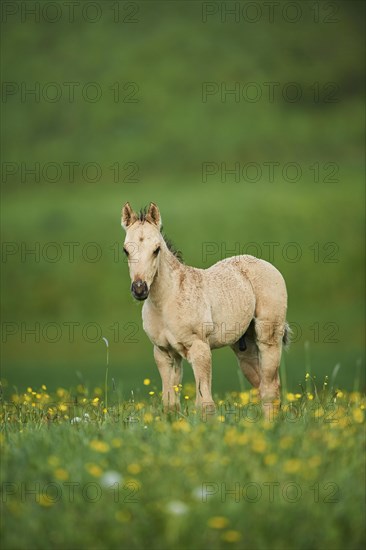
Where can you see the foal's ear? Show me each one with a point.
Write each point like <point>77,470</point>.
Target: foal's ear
<point>153,215</point>
<point>128,216</point>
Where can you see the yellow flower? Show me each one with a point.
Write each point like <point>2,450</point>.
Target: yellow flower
<point>286,442</point>
<point>358,416</point>
<point>189,389</point>
<point>61,474</point>
<point>93,469</point>
<point>231,435</point>
<point>354,396</point>
<point>243,439</point>
<point>181,426</point>
<point>123,516</point>
<point>291,466</point>
<point>95,400</point>
<point>134,469</point>
<point>314,461</point>
<point>186,397</point>
<point>29,390</point>
<point>244,397</point>
<point>259,445</point>
<point>332,441</point>
<point>147,382</point>
<point>99,446</point>
<point>218,522</point>
<point>307,376</point>
<point>270,459</point>
<point>318,413</point>
<point>290,397</point>
<point>151,392</point>
<point>45,501</point>
<point>53,460</point>
<point>231,536</point>
<point>297,395</point>
<point>148,418</point>
<point>44,387</point>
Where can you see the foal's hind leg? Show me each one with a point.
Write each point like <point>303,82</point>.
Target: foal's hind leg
<point>248,360</point>
<point>269,341</point>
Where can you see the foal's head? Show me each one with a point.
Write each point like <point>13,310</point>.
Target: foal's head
<point>142,247</point>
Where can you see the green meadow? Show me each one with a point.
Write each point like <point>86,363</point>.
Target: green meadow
<point>78,472</point>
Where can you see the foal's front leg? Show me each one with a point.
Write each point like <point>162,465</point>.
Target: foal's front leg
<point>199,355</point>
<point>171,371</point>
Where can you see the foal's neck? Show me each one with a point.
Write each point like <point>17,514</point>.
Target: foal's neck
<point>165,279</point>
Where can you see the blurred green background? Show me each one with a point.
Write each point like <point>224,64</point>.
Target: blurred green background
<point>161,54</point>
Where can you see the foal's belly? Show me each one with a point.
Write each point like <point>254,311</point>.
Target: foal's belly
<point>231,312</point>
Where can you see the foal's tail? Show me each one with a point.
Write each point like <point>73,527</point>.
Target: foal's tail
<point>286,338</point>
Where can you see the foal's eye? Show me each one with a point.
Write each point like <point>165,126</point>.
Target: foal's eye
<point>156,251</point>
<point>126,251</point>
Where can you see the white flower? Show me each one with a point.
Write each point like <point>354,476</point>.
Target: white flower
<point>110,477</point>
<point>201,493</point>
<point>197,493</point>
<point>177,508</point>
<point>77,419</point>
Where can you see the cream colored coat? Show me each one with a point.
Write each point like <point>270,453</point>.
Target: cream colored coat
<point>189,311</point>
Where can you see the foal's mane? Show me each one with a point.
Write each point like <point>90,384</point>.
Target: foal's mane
<point>177,253</point>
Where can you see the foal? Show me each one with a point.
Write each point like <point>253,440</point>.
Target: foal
<point>239,302</point>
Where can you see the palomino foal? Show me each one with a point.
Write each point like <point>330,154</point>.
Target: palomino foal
<point>239,302</point>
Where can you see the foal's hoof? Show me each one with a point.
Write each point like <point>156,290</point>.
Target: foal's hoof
<point>208,410</point>
<point>172,408</point>
<point>271,409</point>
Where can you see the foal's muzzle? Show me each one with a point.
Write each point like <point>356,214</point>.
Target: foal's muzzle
<point>139,290</point>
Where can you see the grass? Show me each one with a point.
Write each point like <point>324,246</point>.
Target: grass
<point>76,474</point>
